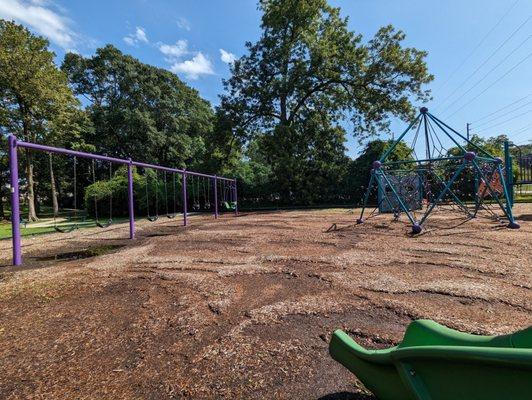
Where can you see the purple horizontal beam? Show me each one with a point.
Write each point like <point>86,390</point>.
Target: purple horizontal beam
<point>59,150</point>
<point>82,154</point>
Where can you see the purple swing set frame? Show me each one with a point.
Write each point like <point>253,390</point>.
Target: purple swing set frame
<point>14,144</point>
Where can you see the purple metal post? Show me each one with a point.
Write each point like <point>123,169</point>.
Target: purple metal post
<point>184,198</point>
<point>235,199</point>
<point>130,200</point>
<point>215,196</point>
<point>15,206</point>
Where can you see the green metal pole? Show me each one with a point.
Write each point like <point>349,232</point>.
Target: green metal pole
<point>398,198</point>
<point>508,167</point>
<point>366,197</point>
<point>387,153</point>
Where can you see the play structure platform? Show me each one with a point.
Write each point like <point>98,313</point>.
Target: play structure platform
<point>434,362</point>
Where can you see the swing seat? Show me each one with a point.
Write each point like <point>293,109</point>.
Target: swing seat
<point>67,229</point>
<point>153,219</point>
<point>106,225</point>
<point>434,362</point>
<point>170,216</point>
<point>229,206</point>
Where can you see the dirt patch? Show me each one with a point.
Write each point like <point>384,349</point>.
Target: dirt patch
<point>244,307</point>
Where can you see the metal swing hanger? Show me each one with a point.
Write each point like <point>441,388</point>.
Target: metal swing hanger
<point>206,194</point>
<point>152,218</point>
<point>168,215</point>
<point>75,225</point>
<point>110,220</point>
<point>195,194</point>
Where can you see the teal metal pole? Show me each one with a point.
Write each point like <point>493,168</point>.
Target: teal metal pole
<point>398,199</point>
<point>508,167</point>
<point>387,153</point>
<point>442,193</point>
<point>383,190</point>
<point>455,197</point>
<point>494,194</point>
<point>447,133</point>
<point>480,149</point>
<point>366,197</point>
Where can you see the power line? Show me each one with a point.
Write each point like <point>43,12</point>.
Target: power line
<point>503,122</point>
<point>493,83</point>
<point>483,63</point>
<point>519,136</point>
<point>504,59</point>
<point>479,44</point>
<point>523,128</point>
<point>502,115</point>
<point>502,108</point>
<point>523,141</point>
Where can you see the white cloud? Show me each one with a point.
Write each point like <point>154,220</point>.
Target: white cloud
<point>45,21</point>
<point>227,57</point>
<point>183,23</point>
<point>192,68</point>
<point>198,65</point>
<point>139,36</point>
<point>175,51</point>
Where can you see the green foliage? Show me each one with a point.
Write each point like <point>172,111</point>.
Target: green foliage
<point>307,59</point>
<point>359,169</point>
<point>106,192</point>
<point>492,145</point>
<point>305,75</point>
<point>35,100</point>
<point>138,110</point>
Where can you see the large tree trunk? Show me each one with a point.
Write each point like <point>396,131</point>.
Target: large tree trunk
<point>32,214</point>
<point>55,204</point>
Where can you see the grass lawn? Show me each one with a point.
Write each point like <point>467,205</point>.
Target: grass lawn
<point>46,225</point>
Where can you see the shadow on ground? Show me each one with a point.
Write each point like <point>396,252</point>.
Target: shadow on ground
<point>346,396</point>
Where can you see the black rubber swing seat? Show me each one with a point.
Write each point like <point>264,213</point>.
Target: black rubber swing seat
<point>106,225</point>
<point>152,219</point>
<point>66,230</point>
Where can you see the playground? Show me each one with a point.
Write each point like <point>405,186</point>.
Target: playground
<point>275,199</point>
<point>244,307</point>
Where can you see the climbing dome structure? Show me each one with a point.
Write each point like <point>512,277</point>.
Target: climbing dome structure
<point>451,173</point>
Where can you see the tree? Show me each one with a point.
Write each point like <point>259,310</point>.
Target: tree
<point>308,63</point>
<point>359,169</point>
<point>33,92</point>
<point>138,110</point>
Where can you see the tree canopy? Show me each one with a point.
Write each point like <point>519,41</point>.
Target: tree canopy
<point>139,110</point>
<point>307,59</point>
<point>36,102</point>
<point>306,76</point>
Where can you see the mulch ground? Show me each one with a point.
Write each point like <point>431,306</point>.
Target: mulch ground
<point>244,307</point>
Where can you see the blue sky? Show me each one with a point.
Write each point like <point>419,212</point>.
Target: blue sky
<point>479,50</point>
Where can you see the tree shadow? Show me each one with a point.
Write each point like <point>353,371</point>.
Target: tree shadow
<point>346,396</point>
<point>524,217</point>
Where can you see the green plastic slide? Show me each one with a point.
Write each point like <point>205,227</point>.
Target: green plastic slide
<point>434,362</point>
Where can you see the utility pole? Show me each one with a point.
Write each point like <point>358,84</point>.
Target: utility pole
<point>467,129</point>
